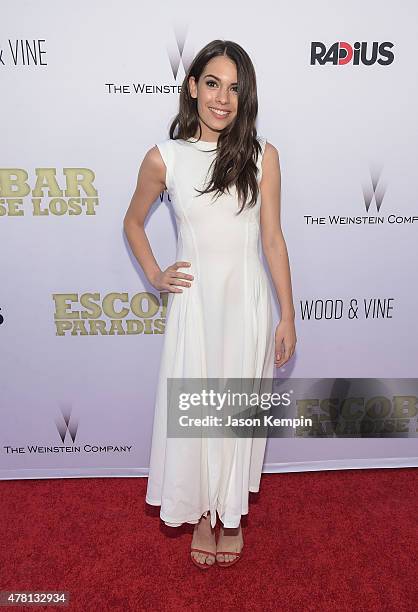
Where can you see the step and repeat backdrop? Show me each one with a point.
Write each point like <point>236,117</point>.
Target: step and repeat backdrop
<point>87,88</point>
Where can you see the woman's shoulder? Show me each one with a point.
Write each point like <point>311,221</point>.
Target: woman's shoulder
<point>266,145</point>
<point>268,151</point>
<point>169,148</point>
<point>168,151</point>
<point>170,143</point>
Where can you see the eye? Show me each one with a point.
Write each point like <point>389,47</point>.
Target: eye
<point>210,83</point>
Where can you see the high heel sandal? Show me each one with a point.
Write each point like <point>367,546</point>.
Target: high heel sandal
<point>238,556</point>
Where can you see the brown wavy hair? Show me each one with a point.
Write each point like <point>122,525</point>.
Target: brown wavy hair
<point>237,147</point>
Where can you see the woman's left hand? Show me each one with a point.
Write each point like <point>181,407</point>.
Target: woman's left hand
<point>285,342</point>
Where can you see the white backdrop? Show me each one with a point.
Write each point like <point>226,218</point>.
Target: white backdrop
<point>87,88</point>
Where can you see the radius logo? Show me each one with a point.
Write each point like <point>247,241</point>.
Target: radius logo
<point>341,53</point>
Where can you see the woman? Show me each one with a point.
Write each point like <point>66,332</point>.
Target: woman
<point>224,186</point>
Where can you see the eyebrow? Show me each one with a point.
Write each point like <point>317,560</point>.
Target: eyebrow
<point>215,77</point>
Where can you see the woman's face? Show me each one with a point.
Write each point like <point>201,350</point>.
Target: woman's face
<point>216,90</point>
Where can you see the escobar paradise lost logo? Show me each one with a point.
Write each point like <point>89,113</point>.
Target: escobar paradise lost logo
<point>52,191</point>
<point>113,314</point>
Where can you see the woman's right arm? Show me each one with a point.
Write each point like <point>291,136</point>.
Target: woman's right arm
<point>150,183</point>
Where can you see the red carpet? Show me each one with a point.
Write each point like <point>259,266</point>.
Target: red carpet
<point>314,541</point>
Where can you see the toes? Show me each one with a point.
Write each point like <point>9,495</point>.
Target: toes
<point>202,558</point>
<point>225,558</point>
<point>196,556</point>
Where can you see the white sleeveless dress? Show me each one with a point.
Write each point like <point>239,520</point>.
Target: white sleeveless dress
<point>221,326</point>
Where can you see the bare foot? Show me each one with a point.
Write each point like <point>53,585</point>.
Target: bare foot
<point>204,538</point>
<point>229,540</point>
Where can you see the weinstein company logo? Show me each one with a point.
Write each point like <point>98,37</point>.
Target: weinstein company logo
<point>342,53</point>
<point>374,190</point>
<point>177,55</point>
<point>70,425</point>
<point>67,427</point>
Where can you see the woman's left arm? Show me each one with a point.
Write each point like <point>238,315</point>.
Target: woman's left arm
<point>275,251</point>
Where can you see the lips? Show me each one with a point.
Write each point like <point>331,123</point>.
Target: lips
<point>219,115</point>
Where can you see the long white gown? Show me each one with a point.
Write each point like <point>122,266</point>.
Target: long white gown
<point>221,326</point>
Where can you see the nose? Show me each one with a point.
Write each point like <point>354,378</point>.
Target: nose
<point>223,96</point>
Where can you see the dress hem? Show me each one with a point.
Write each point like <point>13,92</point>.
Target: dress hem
<point>195,519</point>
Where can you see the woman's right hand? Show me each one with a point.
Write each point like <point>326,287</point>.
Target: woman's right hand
<point>167,279</point>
